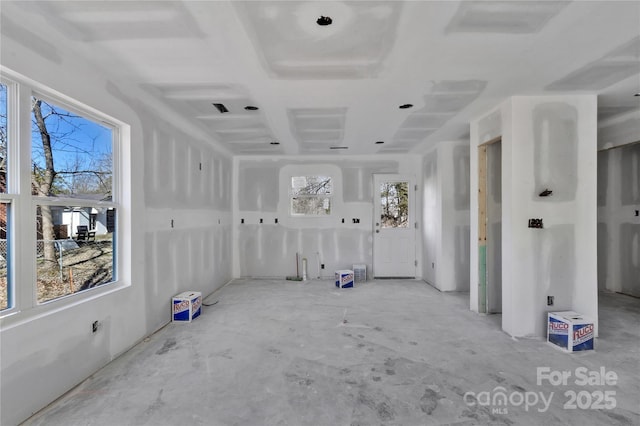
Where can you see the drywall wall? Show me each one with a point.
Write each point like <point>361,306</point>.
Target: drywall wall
<point>547,143</point>
<point>619,219</point>
<point>431,217</point>
<point>619,130</point>
<point>445,231</point>
<point>173,173</point>
<point>266,248</point>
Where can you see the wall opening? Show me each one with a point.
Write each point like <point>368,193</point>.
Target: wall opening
<point>490,226</point>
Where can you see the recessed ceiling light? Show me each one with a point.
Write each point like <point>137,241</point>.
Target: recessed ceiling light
<point>339,147</point>
<point>221,108</point>
<point>379,142</point>
<point>275,143</point>
<point>405,106</point>
<point>251,108</point>
<point>323,21</point>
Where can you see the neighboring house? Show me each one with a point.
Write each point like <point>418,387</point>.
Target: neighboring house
<point>67,219</point>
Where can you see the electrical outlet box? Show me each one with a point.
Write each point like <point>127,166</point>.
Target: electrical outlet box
<point>94,326</point>
<point>535,223</point>
<point>549,300</point>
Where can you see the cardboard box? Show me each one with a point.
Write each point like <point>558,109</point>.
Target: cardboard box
<point>570,331</point>
<point>359,272</point>
<point>186,306</point>
<point>344,278</point>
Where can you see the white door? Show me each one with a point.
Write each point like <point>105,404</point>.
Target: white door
<point>394,233</point>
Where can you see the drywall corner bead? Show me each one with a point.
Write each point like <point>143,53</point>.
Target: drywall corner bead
<point>490,127</point>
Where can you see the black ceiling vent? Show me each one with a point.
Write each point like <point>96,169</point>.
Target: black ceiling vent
<point>275,143</point>
<point>221,108</point>
<point>338,147</point>
<point>405,106</point>
<point>379,142</point>
<point>251,108</point>
<point>323,21</point>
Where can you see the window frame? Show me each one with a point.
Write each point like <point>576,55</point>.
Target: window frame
<point>322,196</point>
<point>9,196</point>
<point>22,292</point>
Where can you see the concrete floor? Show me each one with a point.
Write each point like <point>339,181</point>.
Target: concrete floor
<point>386,352</point>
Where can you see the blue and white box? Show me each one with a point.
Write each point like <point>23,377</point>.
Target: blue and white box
<point>570,331</point>
<point>344,278</point>
<point>186,306</point>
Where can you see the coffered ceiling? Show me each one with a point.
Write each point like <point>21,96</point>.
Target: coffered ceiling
<point>311,88</point>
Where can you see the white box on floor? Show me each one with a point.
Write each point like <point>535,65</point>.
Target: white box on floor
<point>570,331</point>
<point>186,306</point>
<point>344,278</point>
<point>359,272</point>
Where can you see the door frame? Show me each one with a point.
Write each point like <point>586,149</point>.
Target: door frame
<point>483,219</point>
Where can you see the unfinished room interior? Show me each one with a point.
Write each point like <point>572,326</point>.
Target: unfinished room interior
<point>319,212</point>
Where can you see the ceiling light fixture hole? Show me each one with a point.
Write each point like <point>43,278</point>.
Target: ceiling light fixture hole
<point>274,143</point>
<point>323,21</point>
<point>379,142</point>
<point>221,108</point>
<point>251,108</point>
<point>405,106</point>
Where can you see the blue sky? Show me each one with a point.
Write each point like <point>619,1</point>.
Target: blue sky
<point>74,138</point>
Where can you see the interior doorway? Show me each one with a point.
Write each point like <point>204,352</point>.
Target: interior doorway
<point>619,219</point>
<point>490,227</point>
<point>394,251</point>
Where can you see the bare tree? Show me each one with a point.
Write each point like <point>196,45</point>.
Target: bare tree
<point>43,182</point>
<point>86,172</point>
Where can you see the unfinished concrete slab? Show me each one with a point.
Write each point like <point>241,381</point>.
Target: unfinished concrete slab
<point>386,352</point>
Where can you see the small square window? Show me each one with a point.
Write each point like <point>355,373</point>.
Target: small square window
<point>311,195</point>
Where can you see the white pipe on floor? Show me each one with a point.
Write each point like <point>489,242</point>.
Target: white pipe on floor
<point>319,263</point>
<point>304,269</point>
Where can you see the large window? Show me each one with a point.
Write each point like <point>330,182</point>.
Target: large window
<point>65,202</point>
<point>310,195</point>
<point>5,202</point>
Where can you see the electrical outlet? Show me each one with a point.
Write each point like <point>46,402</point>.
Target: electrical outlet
<point>322,266</point>
<point>549,300</point>
<point>94,326</point>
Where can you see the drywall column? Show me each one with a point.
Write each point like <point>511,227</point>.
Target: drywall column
<point>547,143</point>
<point>445,233</point>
